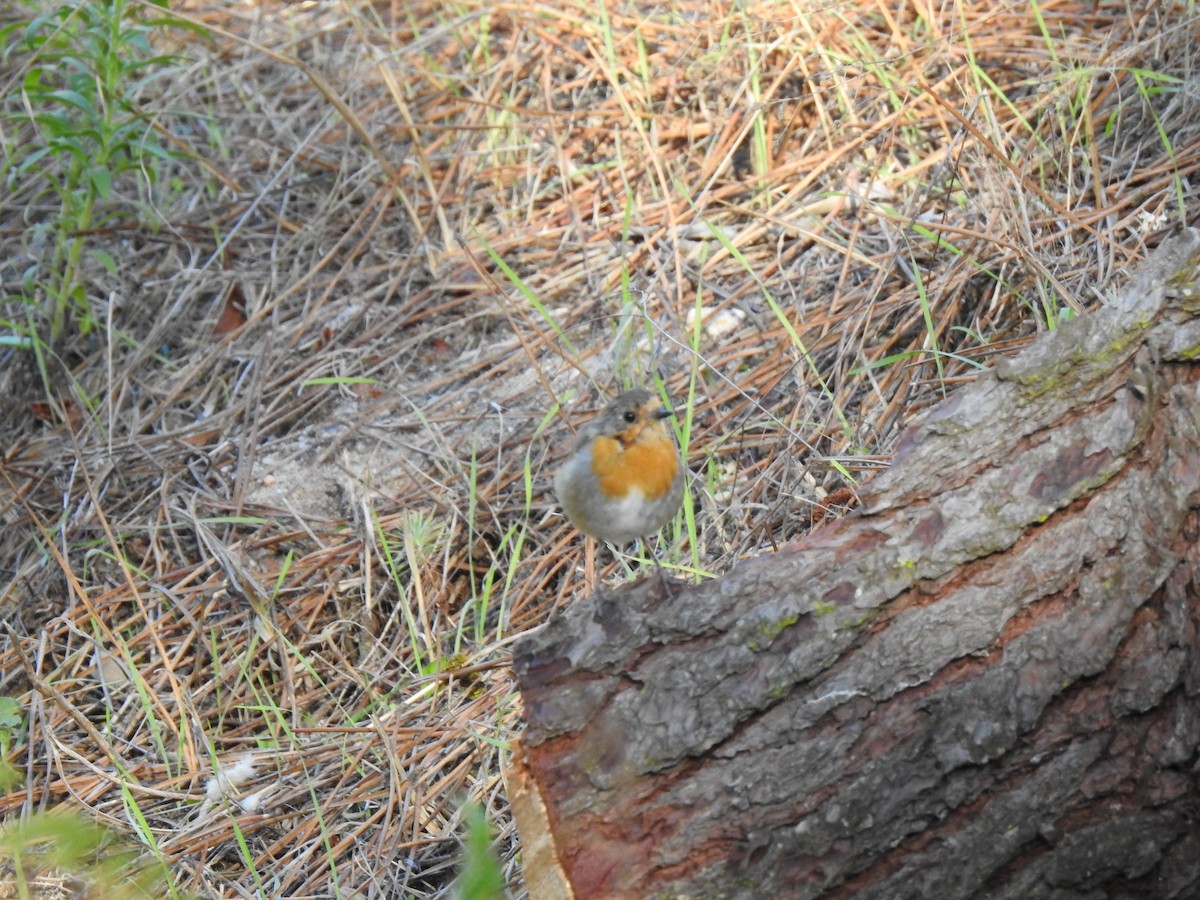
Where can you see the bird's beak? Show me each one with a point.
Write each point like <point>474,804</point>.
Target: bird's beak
<point>663,414</point>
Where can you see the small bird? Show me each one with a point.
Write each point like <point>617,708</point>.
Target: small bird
<point>624,479</point>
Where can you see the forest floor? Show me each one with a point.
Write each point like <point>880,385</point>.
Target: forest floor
<point>276,497</point>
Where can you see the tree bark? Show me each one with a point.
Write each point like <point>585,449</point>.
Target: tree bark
<point>982,683</point>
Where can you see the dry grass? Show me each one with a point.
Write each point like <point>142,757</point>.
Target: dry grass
<point>308,543</point>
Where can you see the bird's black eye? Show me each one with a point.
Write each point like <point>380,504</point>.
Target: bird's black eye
<point>629,416</point>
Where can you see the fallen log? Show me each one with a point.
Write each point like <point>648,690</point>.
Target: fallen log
<point>982,683</point>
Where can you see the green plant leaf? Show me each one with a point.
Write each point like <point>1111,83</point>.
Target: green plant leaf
<point>101,180</point>
<point>481,878</point>
<point>105,259</point>
<point>73,98</point>
<point>10,713</point>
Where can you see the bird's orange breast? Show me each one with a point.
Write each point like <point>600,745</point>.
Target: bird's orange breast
<point>649,465</point>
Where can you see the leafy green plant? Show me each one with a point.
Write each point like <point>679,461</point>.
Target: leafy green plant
<point>64,842</point>
<point>480,877</point>
<point>11,723</point>
<point>73,127</point>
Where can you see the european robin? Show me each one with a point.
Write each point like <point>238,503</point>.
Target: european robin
<point>624,479</point>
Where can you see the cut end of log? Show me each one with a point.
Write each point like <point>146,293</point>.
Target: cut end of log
<point>544,876</point>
